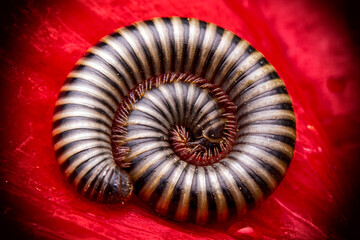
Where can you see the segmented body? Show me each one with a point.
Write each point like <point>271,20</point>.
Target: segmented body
<point>260,127</point>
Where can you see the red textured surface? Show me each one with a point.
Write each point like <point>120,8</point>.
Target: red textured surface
<point>309,44</point>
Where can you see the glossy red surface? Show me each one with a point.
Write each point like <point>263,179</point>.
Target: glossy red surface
<point>310,45</point>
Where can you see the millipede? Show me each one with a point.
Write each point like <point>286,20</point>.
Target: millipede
<point>185,114</point>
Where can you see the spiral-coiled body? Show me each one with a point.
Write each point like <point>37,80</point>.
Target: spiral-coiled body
<point>124,69</point>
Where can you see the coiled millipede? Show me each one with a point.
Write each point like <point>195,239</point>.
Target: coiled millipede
<point>187,114</point>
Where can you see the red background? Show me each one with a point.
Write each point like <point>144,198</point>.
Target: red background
<point>310,44</point>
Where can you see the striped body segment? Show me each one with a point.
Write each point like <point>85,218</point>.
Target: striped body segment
<point>121,62</point>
